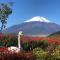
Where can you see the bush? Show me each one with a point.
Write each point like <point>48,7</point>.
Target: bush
<point>8,40</point>
<point>16,56</point>
<point>53,53</point>
<point>56,53</point>
<point>39,54</point>
<point>42,43</point>
<point>26,46</point>
<point>33,44</point>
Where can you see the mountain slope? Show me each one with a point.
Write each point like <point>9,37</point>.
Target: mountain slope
<point>39,26</point>
<point>55,34</point>
<point>34,28</point>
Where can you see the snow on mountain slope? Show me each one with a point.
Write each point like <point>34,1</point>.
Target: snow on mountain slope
<point>38,18</point>
<point>35,26</point>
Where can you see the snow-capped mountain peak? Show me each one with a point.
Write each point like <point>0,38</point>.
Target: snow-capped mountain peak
<point>38,18</point>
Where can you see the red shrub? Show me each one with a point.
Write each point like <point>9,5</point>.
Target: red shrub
<point>51,40</point>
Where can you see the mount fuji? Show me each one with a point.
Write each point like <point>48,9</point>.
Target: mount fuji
<point>38,19</point>
<point>34,26</point>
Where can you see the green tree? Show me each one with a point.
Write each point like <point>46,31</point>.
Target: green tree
<point>33,44</point>
<point>5,11</point>
<point>42,43</point>
<point>26,46</point>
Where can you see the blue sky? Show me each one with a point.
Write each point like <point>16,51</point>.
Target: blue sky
<point>26,9</point>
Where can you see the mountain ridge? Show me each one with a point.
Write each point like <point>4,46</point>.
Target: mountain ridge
<point>34,28</point>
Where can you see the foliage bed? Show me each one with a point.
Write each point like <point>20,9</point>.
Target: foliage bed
<point>8,40</point>
<point>52,52</point>
<point>31,49</point>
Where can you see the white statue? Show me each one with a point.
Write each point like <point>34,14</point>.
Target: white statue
<point>13,49</point>
<point>19,36</point>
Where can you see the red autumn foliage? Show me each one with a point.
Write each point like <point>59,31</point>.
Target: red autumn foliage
<point>16,56</point>
<point>51,40</point>
<point>3,49</point>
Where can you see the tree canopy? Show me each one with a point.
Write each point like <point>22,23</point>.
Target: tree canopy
<point>5,11</point>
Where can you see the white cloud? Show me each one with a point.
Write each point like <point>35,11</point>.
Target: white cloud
<point>38,18</point>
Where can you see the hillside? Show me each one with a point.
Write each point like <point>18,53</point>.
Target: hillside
<point>56,34</point>
<point>35,26</point>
